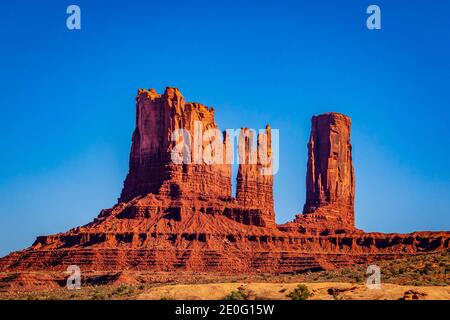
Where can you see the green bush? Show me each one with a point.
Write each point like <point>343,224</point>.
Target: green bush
<point>335,293</point>
<point>122,290</point>
<point>97,295</point>
<point>300,293</point>
<point>242,293</point>
<point>236,295</point>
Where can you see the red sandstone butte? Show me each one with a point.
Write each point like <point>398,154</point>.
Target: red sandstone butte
<point>175,217</point>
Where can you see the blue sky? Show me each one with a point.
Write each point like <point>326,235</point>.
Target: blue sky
<point>67,99</point>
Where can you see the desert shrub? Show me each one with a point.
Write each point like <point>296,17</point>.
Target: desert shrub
<point>97,295</point>
<point>122,290</point>
<point>335,293</point>
<point>300,293</point>
<point>235,295</point>
<point>242,293</point>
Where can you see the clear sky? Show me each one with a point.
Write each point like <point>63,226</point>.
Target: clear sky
<point>67,99</point>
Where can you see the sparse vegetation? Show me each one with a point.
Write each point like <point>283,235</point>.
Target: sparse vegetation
<point>334,293</point>
<point>242,293</point>
<point>300,293</point>
<point>424,269</point>
<point>430,269</point>
<point>235,295</point>
<point>123,290</point>
<point>98,295</point>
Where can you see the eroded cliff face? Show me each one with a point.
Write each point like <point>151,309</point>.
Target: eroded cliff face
<point>183,216</point>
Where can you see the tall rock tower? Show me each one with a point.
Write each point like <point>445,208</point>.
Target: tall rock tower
<point>330,180</point>
<point>158,117</point>
<point>202,181</point>
<point>254,188</point>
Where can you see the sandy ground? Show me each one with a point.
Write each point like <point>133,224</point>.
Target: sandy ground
<point>346,291</point>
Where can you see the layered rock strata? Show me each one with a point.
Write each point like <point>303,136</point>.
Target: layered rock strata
<point>175,216</point>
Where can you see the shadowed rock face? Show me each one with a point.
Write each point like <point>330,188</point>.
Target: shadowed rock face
<point>173,217</point>
<point>330,181</point>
